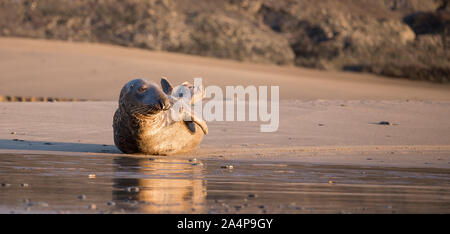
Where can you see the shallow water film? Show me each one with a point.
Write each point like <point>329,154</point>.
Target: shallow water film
<point>106,184</point>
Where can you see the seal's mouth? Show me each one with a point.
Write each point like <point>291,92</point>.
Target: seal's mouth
<point>151,109</point>
<point>146,109</point>
<point>165,105</point>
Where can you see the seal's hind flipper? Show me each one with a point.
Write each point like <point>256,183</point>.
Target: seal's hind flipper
<point>190,125</point>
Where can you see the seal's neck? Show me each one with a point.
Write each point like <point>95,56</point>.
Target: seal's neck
<point>149,124</point>
<point>154,118</point>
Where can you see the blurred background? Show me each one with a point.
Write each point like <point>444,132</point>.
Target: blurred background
<point>395,38</point>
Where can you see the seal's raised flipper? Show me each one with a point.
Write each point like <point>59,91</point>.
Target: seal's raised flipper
<point>166,86</point>
<point>190,125</point>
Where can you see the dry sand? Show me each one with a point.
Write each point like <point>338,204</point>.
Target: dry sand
<point>93,71</point>
<point>325,117</point>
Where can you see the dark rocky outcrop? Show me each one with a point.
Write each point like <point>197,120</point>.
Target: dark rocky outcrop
<point>398,38</point>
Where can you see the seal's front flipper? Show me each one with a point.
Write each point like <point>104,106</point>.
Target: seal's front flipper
<point>166,86</point>
<point>192,118</point>
<point>190,125</point>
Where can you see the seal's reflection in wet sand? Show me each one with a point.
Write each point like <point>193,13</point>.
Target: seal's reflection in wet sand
<point>174,186</point>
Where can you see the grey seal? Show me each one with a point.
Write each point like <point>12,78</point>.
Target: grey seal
<point>144,123</point>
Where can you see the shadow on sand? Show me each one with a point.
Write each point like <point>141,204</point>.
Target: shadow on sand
<point>16,144</point>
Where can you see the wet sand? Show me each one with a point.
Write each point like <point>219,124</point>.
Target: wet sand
<point>102,184</point>
<point>328,132</point>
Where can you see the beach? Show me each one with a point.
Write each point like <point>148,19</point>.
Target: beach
<point>326,118</point>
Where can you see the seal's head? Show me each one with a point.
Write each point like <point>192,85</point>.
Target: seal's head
<point>143,97</point>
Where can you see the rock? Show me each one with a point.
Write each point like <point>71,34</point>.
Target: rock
<point>132,189</point>
<point>326,34</point>
<point>228,166</point>
<point>111,203</point>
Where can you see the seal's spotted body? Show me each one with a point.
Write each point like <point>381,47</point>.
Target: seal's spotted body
<point>142,123</point>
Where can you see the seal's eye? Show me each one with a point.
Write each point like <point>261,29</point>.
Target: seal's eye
<point>142,89</point>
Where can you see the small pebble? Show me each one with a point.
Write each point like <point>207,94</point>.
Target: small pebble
<point>13,133</point>
<point>151,159</point>
<point>91,176</point>
<point>230,167</point>
<point>252,195</point>
<point>330,182</point>
<point>261,206</point>
<point>111,203</point>
<point>192,160</point>
<point>132,189</point>
<point>81,196</point>
<point>384,123</point>
<point>92,207</point>
<point>23,185</point>
<point>5,185</point>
